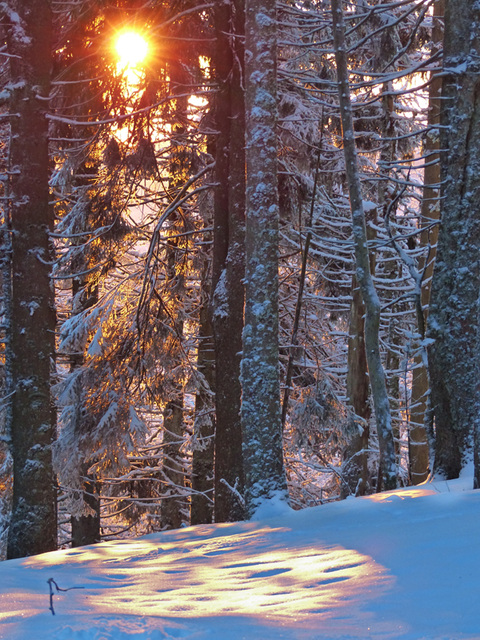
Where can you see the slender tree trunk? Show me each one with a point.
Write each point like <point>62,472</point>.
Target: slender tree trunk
<point>355,470</point>
<point>454,318</point>
<point>420,447</point>
<point>204,428</point>
<point>174,506</point>
<point>6,388</point>
<point>390,264</point>
<point>261,415</point>
<point>228,258</point>
<point>85,526</point>
<point>33,526</point>
<point>387,478</point>
<point>355,473</point>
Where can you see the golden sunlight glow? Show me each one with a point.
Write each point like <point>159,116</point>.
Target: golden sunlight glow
<point>219,576</point>
<point>131,48</point>
<point>420,491</point>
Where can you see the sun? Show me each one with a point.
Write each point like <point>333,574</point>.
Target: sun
<point>131,48</point>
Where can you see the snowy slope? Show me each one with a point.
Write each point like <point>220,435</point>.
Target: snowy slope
<point>402,564</point>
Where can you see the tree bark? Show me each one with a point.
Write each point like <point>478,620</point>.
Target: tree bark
<point>228,258</point>
<point>204,428</point>
<point>387,477</point>
<point>419,445</point>
<point>31,346</point>
<point>261,415</point>
<point>454,317</point>
<point>174,507</point>
<point>174,504</point>
<point>85,526</point>
<point>355,474</point>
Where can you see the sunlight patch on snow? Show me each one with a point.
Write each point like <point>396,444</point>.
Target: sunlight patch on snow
<point>224,575</point>
<point>395,569</point>
<point>415,492</point>
<point>17,606</point>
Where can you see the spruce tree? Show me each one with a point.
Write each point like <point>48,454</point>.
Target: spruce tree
<point>31,321</point>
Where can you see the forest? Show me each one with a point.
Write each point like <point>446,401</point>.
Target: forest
<point>238,244</point>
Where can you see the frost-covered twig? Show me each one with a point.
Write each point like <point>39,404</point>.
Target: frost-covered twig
<point>234,490</point>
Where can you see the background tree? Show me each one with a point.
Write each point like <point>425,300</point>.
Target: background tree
<point>388,472</point>
<point>421,428</point>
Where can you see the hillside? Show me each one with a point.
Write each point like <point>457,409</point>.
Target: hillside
<point>403,564</point>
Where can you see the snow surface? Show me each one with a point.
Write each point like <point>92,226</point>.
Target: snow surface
<point>402,564</point>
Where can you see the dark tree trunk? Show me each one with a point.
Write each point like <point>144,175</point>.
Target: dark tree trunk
<point>204,428</point>
<point>174,509</point>
<point>174,504</point>
<point>228,258</point>
<point>31,347</point>
<point>86,527</point>
<point>454,318</point>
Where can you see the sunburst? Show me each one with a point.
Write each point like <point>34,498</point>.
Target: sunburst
<point>131,48</point>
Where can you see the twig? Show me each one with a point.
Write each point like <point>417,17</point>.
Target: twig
<point>234,491</point>
<point>51,584</point>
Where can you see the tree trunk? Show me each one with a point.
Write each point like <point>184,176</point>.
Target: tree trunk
<point>355,473</point>
<point>174,508</point>
<point>454,317</point>
<point>355,470</point>
<point>390,264</point>
<point>387,477</point>
<point>204,428</point>
<point>261,415</point>
<point>86,527</point>
<point>420,453</point>
<point>31,346</point>
<point>174,505</point>
<point>228,258</point>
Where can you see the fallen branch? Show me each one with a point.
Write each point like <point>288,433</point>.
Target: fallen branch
<point>51,584</point>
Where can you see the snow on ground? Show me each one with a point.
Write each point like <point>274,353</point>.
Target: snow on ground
<point>403,564</point>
